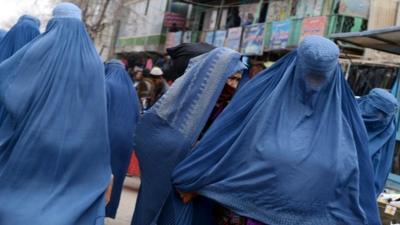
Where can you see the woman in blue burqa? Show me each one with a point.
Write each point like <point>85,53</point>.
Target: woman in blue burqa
<point>54,145</point>
<point>289,149</point>
<point>378,110</point>
<point>123,114</point>
<point>24,31</point>
<point>169,130</point>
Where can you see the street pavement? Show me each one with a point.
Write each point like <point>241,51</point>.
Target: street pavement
<point>127,204</point>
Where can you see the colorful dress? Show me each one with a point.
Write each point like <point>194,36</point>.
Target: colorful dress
<point>227,217</point>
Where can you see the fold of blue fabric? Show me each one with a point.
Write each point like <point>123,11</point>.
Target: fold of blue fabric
<point>168,131</point>
<point>54,144</point>
<point>123,114</point>
<point>395,92</point>
<point>290,148</point>
<point>24,31</point>
<point>2,33</point>
<point>378,110</point>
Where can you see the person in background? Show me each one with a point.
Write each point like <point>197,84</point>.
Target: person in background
<point>2,33</point>
<point>256,68</point>
<point>249,20</point>
<point>146,72</point>
<point>24,31</point>
<point>131,72</point>
<point>55,156</point>
<point>378,110</point>
<point>290,148</point>
<point>169,129</point>
<point>137,74</point>
<point>165,65</point>
<point>156,84</point>
<point>123,114</point>
<point>174,28</point>
<point>233,19</point>
<point>223,100</point>
<point>143,87</point>
<point>162,61</point>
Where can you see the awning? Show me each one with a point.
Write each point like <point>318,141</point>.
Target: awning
<point>387,39</point>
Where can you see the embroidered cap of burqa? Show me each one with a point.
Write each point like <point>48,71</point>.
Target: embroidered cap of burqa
<point>24,31</point>
<point>290,148</point>
<point>378,110</point>
<point>123,114</point>
<point>54,152</point>
<point>167,132</point>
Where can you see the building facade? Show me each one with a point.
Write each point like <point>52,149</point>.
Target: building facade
<point>253,27</point>
<point>142,28</point>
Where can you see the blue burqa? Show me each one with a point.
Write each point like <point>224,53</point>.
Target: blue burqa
<point>24,31</point>
<point>54,146</point>
<point>167,132</point>
<point>123,115</point>
<point>2,33</point>
<point>290,148</point>
<point>396,92</point>
<point>378,110</point>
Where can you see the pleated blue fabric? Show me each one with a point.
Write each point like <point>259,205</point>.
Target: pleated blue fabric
<point>24,31</point>
<point>168,131</point>
<point>54,143</point>
<point>290,148</point>
<point>123,109</point>
<point>378,110</point>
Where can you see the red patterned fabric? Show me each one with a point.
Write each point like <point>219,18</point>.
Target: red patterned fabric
<point>227,217</point>
<point>134,169</point>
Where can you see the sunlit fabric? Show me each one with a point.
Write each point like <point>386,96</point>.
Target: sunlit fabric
<point>167,132</point>
<point>123,114</point>
<point>54,145</point>
<point>378,110</point>
<point>290,148</point>
<point>26,29</point>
